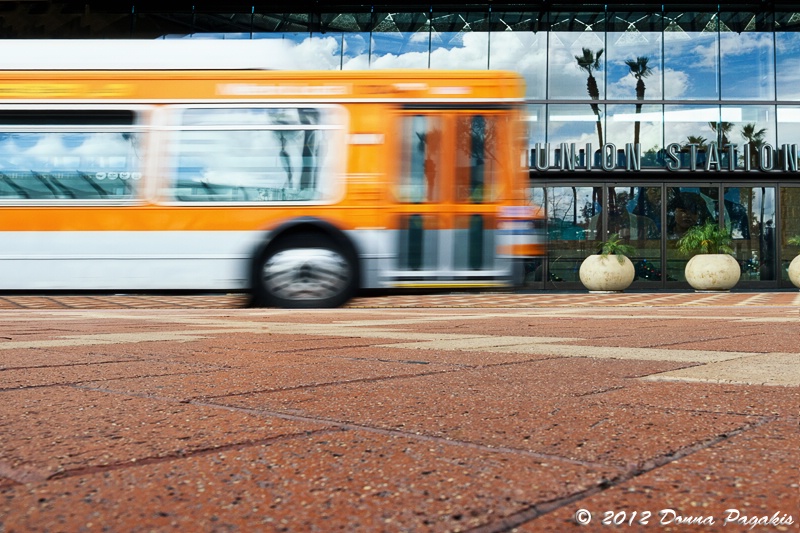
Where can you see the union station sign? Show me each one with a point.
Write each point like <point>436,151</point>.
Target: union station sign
<point>674,157</point>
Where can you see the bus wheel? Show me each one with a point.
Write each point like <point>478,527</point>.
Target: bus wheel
<point>309,271</point>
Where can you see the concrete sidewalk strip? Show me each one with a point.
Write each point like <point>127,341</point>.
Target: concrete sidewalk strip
<point>552,349</point>
<point>720,397</point>
<point>758,369</point>
<point>431,413</point>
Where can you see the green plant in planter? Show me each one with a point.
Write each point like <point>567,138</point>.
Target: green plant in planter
<point>615,246</point>
<point>794,241</point>
<point>706,239</point>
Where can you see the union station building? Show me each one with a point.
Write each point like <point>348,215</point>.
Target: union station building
<point>643,119</point>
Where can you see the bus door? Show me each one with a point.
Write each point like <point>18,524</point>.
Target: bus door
<point>444,194</point>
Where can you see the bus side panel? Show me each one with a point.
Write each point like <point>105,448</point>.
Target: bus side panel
<point>127,260</point>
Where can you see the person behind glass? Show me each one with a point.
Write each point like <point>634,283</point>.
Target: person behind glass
<point>686,210</point>
<point>647,203</point>
<point>625,224</point>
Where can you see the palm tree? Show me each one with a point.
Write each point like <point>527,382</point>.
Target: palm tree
<point>722,129</point>
<point>755,138</point>
<point>639,70</point>
<point>699,140</point>
<point>590,62</point>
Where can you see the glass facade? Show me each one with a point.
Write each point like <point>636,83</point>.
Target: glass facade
<point>636,113</point>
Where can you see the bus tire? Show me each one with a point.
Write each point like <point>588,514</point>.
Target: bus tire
<point>307,271</point>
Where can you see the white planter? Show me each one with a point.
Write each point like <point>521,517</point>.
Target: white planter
<point>794,271</point>
<point>606,274</point>
<point>712,272</point>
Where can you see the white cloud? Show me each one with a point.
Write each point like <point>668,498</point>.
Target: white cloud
<point>625,87</point>
<point>676,82</point>
<point>745,43</point>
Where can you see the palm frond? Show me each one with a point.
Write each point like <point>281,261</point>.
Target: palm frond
<point>706,239</point>
<point>616,246</point>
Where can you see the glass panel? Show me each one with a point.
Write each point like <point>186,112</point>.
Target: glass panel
<point>569,213</point>
<point>787,53</point>
<point>691,56</point>
<point>479,157</point>
<point>575,124</point>
<point>460,41</point>
<point>345,38</point>
<point>355,51</point>
<point>788,119</point>
<point>224,25</point>
<point>687,207</point>
<point>536,120</point>
<point>790,227</point>
<point>576,59</point>
<point>534,268</point>
<point>155,23</point>
<point>68,156</point>
<point>634,56</point>
<point>638,124</point>
<point>747,56</point>
<point>401,40</point>
<point>750,217</point>
<point>256,154</point>
<point>753,125</point>
<point>515,43</point>
<point>634,213</point>
<point>69,165</point>
<point>346,22</point>
<point>693,127</point>
<point>421,159</point>
<point>281,23</point>
<point>321,52</point>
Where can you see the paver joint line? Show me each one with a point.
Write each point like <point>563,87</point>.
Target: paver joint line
<point>184,454</point>
<point>540,509</point>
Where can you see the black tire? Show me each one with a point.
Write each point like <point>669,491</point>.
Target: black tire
<point>308,270</point>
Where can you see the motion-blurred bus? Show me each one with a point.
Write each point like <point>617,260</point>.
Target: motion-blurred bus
<point>298,187</point>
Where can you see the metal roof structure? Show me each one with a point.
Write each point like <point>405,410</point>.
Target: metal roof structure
<point>148,19</point>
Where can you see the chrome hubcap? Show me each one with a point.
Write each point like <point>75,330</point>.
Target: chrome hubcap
<point>306,274</point>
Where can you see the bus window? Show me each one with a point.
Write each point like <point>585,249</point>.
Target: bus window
<point>421,151</point>
<point>478,158</point>
<point>68,155</point>
<point>265,154</point>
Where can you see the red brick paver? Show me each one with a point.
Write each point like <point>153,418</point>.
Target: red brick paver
<point>482,412</point>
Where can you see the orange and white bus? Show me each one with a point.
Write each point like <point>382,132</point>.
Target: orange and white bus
<point>298,187</point>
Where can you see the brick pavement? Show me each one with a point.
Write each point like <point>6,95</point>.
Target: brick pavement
<point>500,299</point>
<point>468,412</point>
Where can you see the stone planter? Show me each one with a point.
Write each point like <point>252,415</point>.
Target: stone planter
<point>794,271</point>
<point>606,274</point>
<point>712,272</point>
